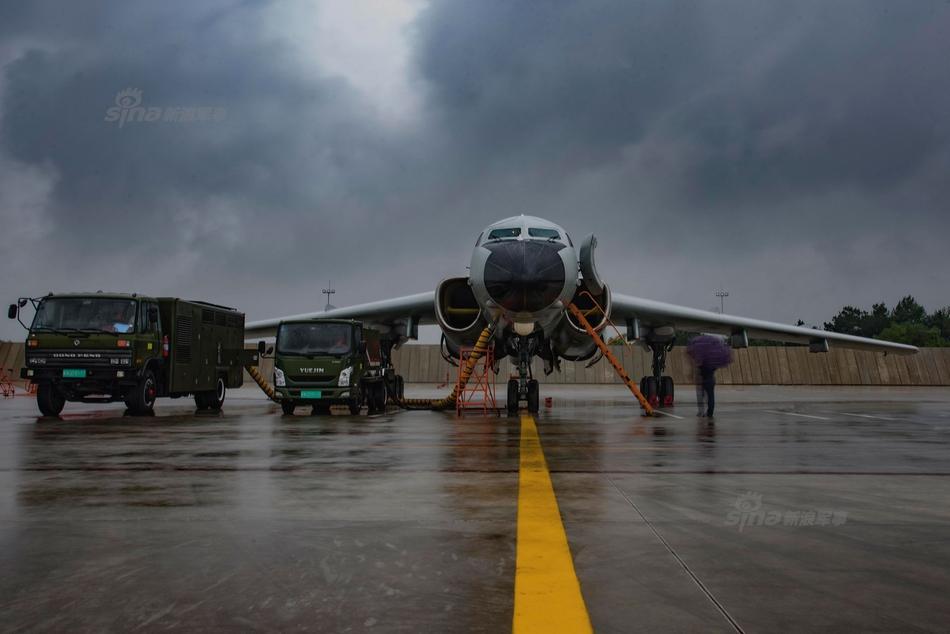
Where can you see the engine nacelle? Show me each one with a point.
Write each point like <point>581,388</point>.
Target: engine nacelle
<point>458,313</point>
<point>570,341</point>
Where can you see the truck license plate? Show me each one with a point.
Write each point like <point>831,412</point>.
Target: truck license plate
<point>74,374</point>
<point>311,393</point>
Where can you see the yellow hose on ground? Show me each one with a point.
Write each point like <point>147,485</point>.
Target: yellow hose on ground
<point>449,401</point>
<point>262,382</point>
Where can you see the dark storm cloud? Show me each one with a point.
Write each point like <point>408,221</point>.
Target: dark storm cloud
<point>761,97</point>
<point>755,141</point>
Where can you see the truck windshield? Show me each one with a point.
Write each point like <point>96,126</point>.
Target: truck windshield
<point>85,314</point>
<point>314,339</point>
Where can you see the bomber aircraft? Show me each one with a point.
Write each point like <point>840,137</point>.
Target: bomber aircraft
<point>524,271</point>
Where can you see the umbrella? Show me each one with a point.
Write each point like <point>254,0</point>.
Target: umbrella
<point>709,351</point>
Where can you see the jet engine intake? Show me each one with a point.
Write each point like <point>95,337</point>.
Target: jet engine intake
<point>458,314</point>
<point>570,341</point>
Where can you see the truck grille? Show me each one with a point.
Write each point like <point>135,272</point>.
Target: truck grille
<point>313,379</point>
<point>80,358</point>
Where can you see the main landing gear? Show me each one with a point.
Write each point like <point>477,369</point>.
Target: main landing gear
<point>525,387</point>
<point>658,389</point>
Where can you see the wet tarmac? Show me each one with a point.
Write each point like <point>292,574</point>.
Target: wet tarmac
<point>796,509</point>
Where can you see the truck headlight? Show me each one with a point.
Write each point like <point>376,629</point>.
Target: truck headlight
<point>279,379</point>
<point>345,377</point>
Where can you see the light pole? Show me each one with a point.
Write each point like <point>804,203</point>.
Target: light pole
<point>329,290</point>
<point>722,295</point>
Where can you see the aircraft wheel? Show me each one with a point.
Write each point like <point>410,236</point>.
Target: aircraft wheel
<point>512,396</point>
<point>380,397</point>
<point>320,409</point>
<point>649,388</point>
<point>288,407</point>
<point>49,399</point>
<point>666,391</point>
<point>534,396</point>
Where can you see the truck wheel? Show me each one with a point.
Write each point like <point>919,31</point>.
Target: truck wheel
<point>141,399</point>
<point>400,387</point>
<point>534,396</point>
<point>356,402</point>
<point>512,397</point>
<point>49,399</point>
<point>288,407</point>
<point>215,398</point>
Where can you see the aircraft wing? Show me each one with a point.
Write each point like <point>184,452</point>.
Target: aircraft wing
<point>652,314</point>
<point>399,315</point>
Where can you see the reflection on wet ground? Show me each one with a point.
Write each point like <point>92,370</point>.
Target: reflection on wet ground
<point>783,512</point>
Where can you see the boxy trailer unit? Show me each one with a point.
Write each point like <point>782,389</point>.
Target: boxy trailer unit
<point>105,347</point>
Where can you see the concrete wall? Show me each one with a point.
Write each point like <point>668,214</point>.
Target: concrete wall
<point>753,366</point>
<point>778,365</point>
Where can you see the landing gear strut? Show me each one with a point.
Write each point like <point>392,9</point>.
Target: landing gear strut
<point>525,387</point>
<point>658,389</point>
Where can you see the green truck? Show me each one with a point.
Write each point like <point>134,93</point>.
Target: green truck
<point>328,362</point>
<point>105,347</point>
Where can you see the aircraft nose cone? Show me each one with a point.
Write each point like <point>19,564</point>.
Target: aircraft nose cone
<point>524,276</point>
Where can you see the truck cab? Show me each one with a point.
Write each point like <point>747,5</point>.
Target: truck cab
<point>105,347</point>
<point>333,362</point>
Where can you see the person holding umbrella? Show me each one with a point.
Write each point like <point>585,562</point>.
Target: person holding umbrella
<point>708,353</point>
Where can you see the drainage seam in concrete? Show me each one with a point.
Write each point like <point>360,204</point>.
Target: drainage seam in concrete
<point>692,575</point>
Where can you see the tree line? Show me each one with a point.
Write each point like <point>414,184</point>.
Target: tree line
<point>908,322</point>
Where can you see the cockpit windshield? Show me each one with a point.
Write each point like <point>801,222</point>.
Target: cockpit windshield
<point>537,232</point>
<point>316,339</point>
<point>101,314</point>
<point>504,232</point>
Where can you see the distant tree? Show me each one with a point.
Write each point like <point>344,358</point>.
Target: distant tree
<point>915,334</point>
<point>908,311</point>
<point>877,320</point>
<point>849,321</point>
<point>940,319</point>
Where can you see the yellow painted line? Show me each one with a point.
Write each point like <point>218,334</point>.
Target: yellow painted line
<point>547,592</point>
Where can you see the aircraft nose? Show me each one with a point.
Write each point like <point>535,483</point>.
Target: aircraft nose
<point>524,275</point>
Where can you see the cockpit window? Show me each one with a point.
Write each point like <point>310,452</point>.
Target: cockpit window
<point>537,232</point>
<point>507,232</point>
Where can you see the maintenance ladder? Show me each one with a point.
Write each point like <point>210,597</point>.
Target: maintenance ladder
<point>605,350</point>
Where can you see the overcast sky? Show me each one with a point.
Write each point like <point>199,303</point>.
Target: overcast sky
<point>797,153</point>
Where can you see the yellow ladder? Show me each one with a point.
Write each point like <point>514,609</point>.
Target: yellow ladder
<point>648,410</point>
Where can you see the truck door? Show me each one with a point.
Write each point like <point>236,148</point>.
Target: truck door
<point>151,328</point>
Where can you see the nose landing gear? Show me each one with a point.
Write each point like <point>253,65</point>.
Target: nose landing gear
<point>525,387</point>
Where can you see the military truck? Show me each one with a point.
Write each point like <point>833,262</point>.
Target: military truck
<point>328,362</point>
<point>105,347</point>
